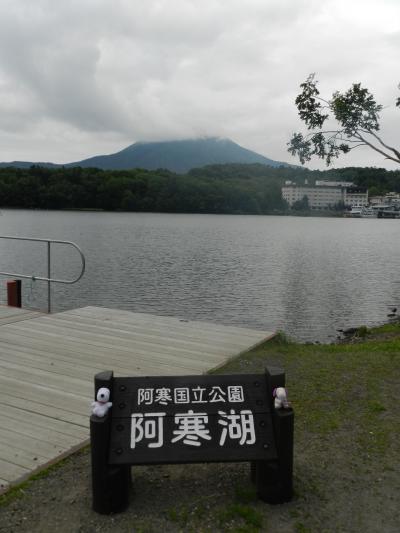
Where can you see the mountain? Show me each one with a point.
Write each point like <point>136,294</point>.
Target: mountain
<point>177,156</point>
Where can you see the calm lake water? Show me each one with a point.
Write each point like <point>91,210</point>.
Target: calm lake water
<point>306,276</point>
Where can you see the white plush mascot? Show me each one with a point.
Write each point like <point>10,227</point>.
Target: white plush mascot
<point>281,400</point>
<point>102,405</point>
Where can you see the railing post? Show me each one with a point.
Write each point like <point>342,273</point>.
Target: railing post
<point>14,298</point>
<point>48,277</point>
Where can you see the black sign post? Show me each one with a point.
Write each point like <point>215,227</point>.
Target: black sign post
<point>189,419</point>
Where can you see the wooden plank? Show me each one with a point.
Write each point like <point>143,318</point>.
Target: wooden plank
<point>48,362</point>
<point>46,410</point>
<point>44,448</point>
<point>5,321</point>
<point>179,330</point>
<point>84,370</point>
<point>15,314</point>
<point>132,361</point>
<point>113,351</point>
<point>106,314</point>
<point>156,343</point>
<point>86,358</point>
<point>96,360</point>
<point>190,343</point>
<point>26,429</point>
<point>25,458</point>
<point>148,368</point>
<point>8,311</point>
<point>75,345</point>
<point>41,421</point>
<point>39,394</point>
<point>53,381</point>
<point>157,322</point>
<point>244,339</point>
<point>10,471</point>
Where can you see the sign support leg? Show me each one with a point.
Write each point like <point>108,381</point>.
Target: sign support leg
<point>110,484</point>
<point>274,479</point>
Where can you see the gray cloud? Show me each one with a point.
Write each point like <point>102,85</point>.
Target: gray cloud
<point>79,78</point>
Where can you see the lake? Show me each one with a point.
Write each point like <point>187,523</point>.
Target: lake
<point>306,276</point>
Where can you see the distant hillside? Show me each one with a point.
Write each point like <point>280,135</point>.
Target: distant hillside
<point>28,164</point>
<point>176,156</point>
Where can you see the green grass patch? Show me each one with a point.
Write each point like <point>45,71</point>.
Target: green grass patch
<point>392,327</point>
<point>301,528</point>
<point>180,516</point>
<point>341,389</point>
<point>245,494</point>
<point>247,517</point>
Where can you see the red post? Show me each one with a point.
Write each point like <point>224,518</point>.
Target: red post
<point>14,293</point>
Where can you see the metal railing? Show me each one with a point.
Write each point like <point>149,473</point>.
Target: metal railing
<point>48,279</point>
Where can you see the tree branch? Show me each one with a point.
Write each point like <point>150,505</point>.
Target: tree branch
<point>396,152</point>
<point>356,146</point>
<point>387,156</point>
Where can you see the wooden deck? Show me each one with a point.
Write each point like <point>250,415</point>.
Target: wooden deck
<point>47,365</point>
<point>13,314</point>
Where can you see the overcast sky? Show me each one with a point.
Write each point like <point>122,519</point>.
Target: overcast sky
<point>85,77</point>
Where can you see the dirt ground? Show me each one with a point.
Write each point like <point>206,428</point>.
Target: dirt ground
<point>332,494</point>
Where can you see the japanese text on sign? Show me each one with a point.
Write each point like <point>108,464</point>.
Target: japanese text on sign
<point>191,428</point>
<point>192,395</point>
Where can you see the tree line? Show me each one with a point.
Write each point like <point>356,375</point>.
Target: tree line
<point>230,188</point>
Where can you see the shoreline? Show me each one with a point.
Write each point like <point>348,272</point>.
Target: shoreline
<point>316,214</point>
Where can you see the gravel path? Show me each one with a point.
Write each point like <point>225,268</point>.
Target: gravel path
<point>331,495</point>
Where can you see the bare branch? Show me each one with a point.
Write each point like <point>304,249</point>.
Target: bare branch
<point>356,146</point>
<point>346,139</point>
<point>387,156</point>
<point>396,152</point>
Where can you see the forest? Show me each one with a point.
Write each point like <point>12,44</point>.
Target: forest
<point>229,188</point>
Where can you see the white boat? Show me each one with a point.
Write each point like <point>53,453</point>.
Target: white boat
<point>356,211</point>
<point>362,211</point>
<point>369,212</point>
<point>374,211</point>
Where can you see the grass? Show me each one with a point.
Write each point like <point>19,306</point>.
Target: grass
<point>245,517</point>
<point>245,494</point>
<point>332,386</point>
<point>179,516</point>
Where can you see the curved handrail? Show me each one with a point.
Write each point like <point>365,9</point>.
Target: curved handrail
<point>48,279</point>
<point>41,278</point>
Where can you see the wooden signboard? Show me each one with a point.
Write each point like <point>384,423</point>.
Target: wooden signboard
<point>191,419</point>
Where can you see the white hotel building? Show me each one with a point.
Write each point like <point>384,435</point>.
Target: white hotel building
<point>325,194</point>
